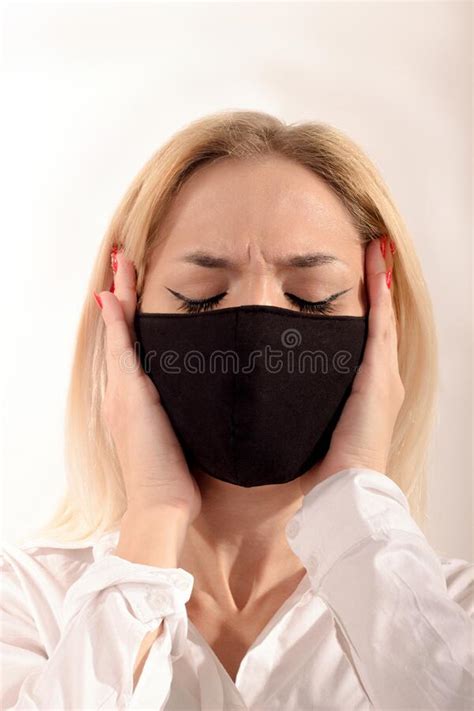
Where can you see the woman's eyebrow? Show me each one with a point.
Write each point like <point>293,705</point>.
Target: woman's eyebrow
<point>310,259</point>
<point>205,259</point>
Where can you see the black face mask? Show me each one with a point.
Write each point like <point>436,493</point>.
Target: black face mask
<point>246,403</point>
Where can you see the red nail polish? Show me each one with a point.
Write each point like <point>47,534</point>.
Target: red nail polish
<point>113,259</point>
<point>393,249</point>
<point>112,288</point>
<point>98,300</point>
<point>383,245</point>
<point>388,277</point>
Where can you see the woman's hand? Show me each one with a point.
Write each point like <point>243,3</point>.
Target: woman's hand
<point>364,431</point>
<point>152,461</point>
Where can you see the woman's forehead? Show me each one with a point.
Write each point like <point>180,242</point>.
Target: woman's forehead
<point>277,206</point>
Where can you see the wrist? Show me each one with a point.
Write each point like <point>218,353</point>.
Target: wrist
<point>153,536</point>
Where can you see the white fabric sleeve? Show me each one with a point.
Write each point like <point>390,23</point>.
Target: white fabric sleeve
<point>105,616</point>
<point>410,644</point>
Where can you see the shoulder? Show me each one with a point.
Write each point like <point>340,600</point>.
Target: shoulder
<point>35,578</point>
<point>47,565</point>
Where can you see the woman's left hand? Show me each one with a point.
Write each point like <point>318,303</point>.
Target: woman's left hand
<point>363,434</point>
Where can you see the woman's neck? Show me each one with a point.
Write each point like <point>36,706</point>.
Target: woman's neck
<point>236,548</point>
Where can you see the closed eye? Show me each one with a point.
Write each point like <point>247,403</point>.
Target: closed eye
<point>322,307</point>
<point>197,305</point>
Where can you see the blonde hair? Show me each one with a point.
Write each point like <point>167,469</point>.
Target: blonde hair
<point>94,500</point>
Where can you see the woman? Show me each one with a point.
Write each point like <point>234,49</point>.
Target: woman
<point>236,541</point>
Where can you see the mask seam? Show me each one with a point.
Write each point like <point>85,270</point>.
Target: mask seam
<point>232,419</point>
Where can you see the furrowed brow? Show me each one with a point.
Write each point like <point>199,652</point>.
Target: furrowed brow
<point>210,261</point>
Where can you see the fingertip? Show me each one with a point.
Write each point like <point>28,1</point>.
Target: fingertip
<point>125,282</point>
<point>107,298</point>
<point>97,299</point>
<point>112,309</point>
<point>375,256</point>
<point>125,270</point>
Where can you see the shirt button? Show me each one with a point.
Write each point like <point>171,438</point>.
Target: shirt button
<point>178,581</point>
<point>292,529</point>
<point>156,597</point>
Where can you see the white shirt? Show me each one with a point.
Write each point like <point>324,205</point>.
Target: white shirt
<point>379,621</point>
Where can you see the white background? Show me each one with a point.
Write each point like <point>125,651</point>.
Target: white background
<point>90,90</point>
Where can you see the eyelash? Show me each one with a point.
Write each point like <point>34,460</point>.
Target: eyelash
<point>195,306</point>
<point>319,307</point>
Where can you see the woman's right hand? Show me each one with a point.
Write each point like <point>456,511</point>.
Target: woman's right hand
<point>153,465</point>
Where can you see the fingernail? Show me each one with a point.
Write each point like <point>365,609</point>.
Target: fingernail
<point>113,259</point>
<point>383,245</point>
<point>98,300</point>
<point>112,288</point>
<point>393,249</point>
<point>388,277</point>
